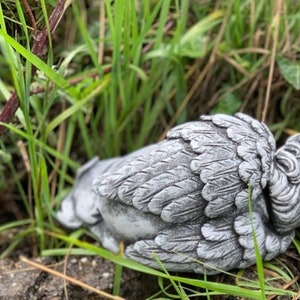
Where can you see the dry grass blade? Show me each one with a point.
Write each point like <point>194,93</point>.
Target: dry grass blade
<point>70,279</point>
<point>286,286</point>
<point>273,57</point>
<point>297,296</point>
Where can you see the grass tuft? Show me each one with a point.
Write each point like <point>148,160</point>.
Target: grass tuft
<point>117,75</point>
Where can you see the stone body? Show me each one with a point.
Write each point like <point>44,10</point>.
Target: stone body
<point>196,199</point>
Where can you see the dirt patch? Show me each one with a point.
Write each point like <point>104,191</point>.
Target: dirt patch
<point>20,281</point>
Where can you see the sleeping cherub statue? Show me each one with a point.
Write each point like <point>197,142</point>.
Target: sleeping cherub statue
<point>196,199</point>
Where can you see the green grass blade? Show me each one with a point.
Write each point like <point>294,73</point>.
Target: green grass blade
<point>40,65</point>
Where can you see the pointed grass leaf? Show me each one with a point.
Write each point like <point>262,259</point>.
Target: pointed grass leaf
<point>39,64</point>
<point>219,288</point>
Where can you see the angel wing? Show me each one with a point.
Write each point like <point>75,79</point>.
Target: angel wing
<point>215,246</point>
<point>202,170</point>
<point>191,190</point>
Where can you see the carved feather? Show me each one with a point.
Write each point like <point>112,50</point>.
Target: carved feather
<point>186,199</point>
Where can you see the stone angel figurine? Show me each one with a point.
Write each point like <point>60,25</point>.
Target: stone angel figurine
<point>196,199</point>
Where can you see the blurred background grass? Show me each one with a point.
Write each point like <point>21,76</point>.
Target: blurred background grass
<point>118,75</point>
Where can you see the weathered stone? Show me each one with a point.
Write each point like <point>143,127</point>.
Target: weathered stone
<point>187,198</point>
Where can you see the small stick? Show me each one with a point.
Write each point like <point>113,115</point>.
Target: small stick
<point>273,58</point>
<point>70,279</point>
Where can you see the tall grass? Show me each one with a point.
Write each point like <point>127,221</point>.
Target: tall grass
<point>117,75</point>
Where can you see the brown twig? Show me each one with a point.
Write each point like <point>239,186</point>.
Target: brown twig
<point>278,8</point>
<point>70,279</point>
<point>39,48</point>
<point>30,14</point>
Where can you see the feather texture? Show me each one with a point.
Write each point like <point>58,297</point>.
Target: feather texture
<point>186,200</point>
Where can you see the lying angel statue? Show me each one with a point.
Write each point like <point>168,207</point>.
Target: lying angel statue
<point>195,199</point>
